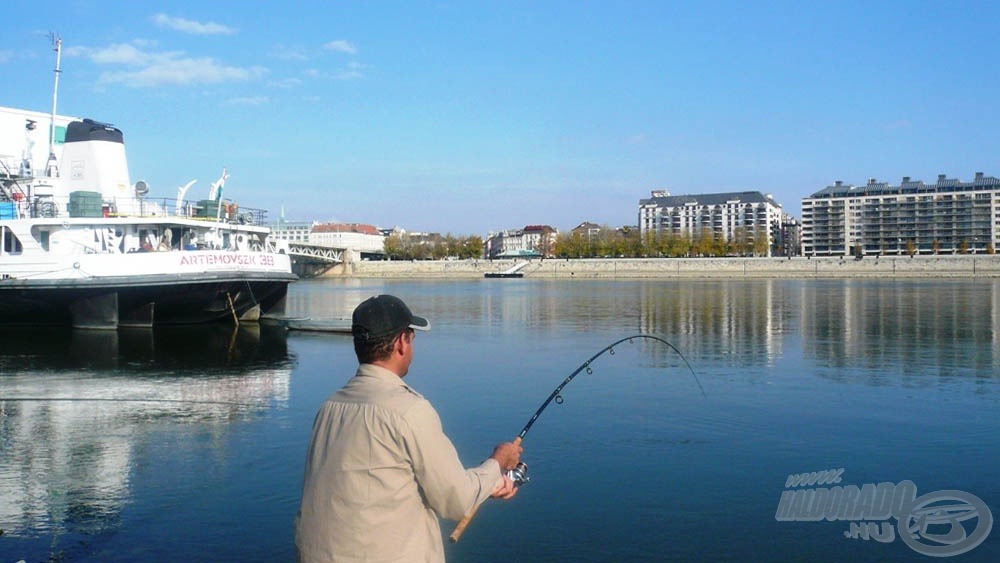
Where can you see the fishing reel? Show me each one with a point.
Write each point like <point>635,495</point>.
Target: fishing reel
<point>519,475</point>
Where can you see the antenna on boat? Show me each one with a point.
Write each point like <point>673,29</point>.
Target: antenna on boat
<point>52,168</point>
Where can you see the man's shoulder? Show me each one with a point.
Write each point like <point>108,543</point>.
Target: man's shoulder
<point>402,404</point>
<point>397,398</point>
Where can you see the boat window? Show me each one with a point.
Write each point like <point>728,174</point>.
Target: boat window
<point>11,244</point>
<point>147,239</point>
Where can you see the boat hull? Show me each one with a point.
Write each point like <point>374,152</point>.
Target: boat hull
<point>141,300</point>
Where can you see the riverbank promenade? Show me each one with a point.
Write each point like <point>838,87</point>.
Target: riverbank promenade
<point>956,266</point>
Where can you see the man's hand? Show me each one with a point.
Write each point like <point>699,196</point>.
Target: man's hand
<point>507,455</point>
<point>505,489</point>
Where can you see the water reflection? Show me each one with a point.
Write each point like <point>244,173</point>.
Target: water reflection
<point>903,326</point>
<point>740,321</point>
<point>183,348</point>
<point>128,441</point>
<point>910,328</point>
<point>78,410</point>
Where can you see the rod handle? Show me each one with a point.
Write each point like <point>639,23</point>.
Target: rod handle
<point>464,522</point>
<point>460,528</point>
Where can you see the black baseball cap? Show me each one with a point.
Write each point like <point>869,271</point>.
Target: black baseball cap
<point>384,315</point>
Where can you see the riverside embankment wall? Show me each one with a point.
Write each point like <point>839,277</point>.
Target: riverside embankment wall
<point>965,266</point>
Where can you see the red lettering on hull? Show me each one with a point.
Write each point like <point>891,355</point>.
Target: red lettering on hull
<point>226,259</point>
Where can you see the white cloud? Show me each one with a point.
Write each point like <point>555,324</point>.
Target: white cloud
<point>248,101</point>
<point>121,53</point>
<point>287,53</point>
<point>353,70</point>
<point>182,72</point>
<point>147,68</point>
<point>341,46</point>
<point>285,83</point>
<point>191,26</point>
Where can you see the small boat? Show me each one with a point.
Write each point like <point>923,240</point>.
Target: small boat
<point>512,272</point>
<point>309,324</point>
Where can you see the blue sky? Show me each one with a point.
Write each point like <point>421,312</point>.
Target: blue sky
<point>468,117</point>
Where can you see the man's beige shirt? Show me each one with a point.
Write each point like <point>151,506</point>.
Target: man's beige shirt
<point>379,472</point>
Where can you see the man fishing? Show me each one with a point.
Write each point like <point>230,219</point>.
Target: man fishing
<point>379,470</point>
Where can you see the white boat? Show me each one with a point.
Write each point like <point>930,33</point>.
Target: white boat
<point>81,245</point>
<point>309,324</point>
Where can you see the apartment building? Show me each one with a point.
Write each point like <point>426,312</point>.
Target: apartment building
<point>791,237</point>
<point>292,231</point>
<point>730,216</point>
<point>946,217</point>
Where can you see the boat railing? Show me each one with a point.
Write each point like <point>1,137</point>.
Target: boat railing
<point>11,175</point>
<point>9,167</point>
<point>225,211</point>
<point>45,206</point>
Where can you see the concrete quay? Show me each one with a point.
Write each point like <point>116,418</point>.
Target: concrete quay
<point>952,266</point>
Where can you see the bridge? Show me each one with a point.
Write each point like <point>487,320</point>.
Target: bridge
<point>310,260</point>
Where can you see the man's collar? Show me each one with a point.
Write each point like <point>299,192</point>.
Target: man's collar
<point>380,373</point>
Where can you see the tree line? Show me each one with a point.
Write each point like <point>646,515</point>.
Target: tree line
<point>628,243</point>
<point>401,246</point>
<point>606,242</point>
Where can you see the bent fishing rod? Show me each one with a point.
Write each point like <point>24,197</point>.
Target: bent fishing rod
<point>519,474</point>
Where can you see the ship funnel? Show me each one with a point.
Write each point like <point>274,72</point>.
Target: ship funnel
<point>94,161</point>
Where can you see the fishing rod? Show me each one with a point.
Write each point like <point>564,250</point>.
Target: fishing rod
<point>519,475</point>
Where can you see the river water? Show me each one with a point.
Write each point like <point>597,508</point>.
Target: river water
<point>188,443</point>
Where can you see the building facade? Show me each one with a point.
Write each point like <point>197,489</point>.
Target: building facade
<point>292,231</point>
<point>946,217</point>
<point>363,239</point>
<point>533,241</point>
<point>734,216</point>
<point>790,243</point>
<point>587,230</point>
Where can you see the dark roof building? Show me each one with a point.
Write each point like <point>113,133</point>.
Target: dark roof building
<point>909,218</point>
<point>751,217</point>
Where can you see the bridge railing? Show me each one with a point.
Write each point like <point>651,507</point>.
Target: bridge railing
<point>318,253</point>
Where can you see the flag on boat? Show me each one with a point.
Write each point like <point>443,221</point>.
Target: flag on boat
<point>215,193</point>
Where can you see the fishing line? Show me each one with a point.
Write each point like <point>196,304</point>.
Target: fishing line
<point>610,348</point>
<point>519,474</point>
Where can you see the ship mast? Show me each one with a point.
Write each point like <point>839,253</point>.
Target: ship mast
<point>52,168</point>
